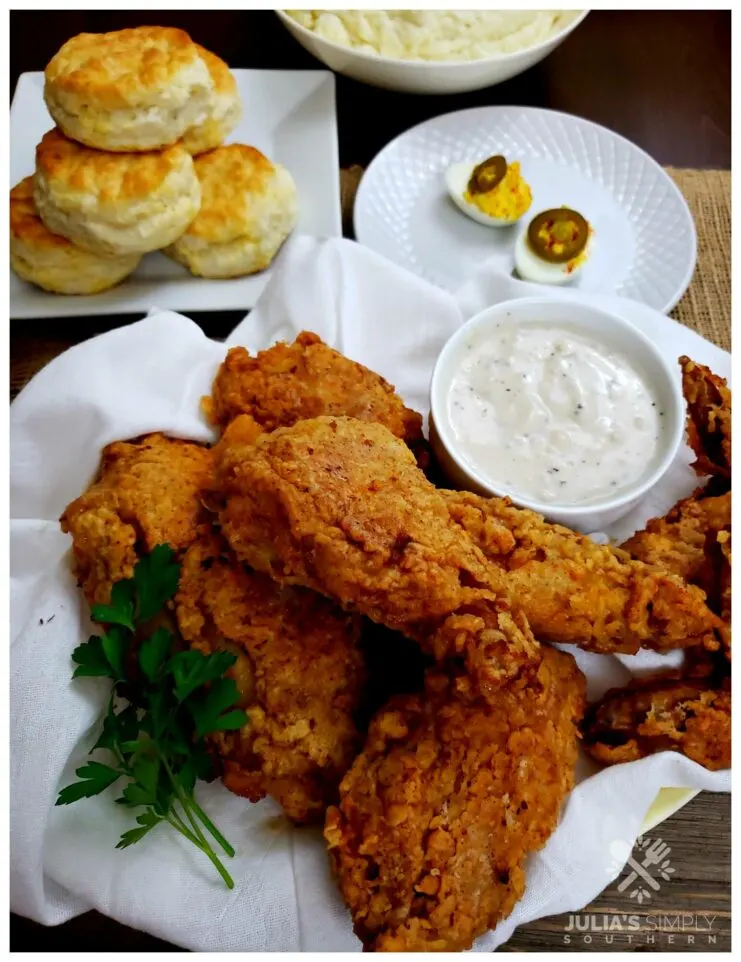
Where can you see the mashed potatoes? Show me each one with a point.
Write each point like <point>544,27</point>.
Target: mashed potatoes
<point>434,35</point>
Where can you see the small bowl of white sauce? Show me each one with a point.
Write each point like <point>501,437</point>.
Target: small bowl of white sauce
<point>563,408</point>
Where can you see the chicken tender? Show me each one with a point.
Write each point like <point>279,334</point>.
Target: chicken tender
<point>576,591</point>
<point>661,714</point>
<point>708,418</point>
<point>148,493</point>
<point>339,506</point>
<point>299,673</point>
<point>439,812</point>
<point>306,379</point>
<point>677,541</point>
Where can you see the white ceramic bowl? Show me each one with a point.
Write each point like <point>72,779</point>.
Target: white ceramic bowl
<point>612,331</point>
<point>426,77</point>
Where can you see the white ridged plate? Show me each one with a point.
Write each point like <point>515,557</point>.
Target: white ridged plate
<point>645,242</point>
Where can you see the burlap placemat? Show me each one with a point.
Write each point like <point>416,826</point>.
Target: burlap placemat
<point>706,307</point>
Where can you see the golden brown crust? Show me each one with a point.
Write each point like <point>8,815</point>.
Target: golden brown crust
<point>676,542</point>
<point>223,111</point>
<point>25,223</point>
<point>299,671</point>
<point>111,178</point>
<point>119,68</point>
<point>667,713</point>
<point>708,418</point>
<point>714,577</point>
<point>148,493</point>
<point>221,76</point>
<point>440,810</point>
<point>232,178</point>
<point>306,379</point>
<point>575,591</point>
<point>339,506</point>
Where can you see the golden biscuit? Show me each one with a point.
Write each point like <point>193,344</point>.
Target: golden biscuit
<point>248,208</point>
<point>53,262</point>
<point>129,90</point>
<point>111,203</point>
<point>224,107</point>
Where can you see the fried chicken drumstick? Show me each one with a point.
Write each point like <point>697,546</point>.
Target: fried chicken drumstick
<point>440,810</point>
<point>299,673</point>
<point>575,591</point>
<point>148,493</point>
<point>339,506</point>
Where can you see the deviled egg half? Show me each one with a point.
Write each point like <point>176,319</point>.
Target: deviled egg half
<point>492,192</point>
<point>554,247</point>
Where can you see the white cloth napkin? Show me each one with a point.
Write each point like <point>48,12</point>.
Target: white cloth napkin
<point>150,376</point>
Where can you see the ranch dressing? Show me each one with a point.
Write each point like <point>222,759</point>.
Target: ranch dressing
<point>552,415</point>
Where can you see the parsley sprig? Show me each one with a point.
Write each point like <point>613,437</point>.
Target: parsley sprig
<point>162,705</point>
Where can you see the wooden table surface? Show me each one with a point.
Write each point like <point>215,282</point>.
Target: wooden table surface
<point>660,78</point>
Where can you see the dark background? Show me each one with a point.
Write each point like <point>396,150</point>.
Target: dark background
<point>660,78</point>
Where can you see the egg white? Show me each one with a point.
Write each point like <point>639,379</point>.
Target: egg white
<point>530,267</point>
<point>457,177</point>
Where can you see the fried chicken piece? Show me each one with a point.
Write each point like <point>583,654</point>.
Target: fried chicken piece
<point>575,591</point>
<point>306,379</point>
<point>667,713</point>
<point>677,541</point>
<point>339,506</point>
<point>715,579</point>
<point>439,812</point>
<point>693,541</point>
<point>299,672</point>
<point>148,493</point>
<point>722,574</point>
<point>708,418</point>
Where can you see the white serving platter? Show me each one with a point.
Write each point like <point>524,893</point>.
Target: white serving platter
<point>289,115</point>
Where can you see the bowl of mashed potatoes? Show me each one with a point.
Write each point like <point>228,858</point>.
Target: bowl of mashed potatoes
<point>431,51</point>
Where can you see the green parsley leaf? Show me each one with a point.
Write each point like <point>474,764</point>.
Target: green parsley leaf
<point>187,777</point>
<point>113,643</point>
<point>147,821</point>
<point>156,578</point>
<point>153,652</point>
<point>127,724</point>
<point>95,776</point>
<point>146,772</point>
<point>157,737</point>
<point>91,660</point>
<point>135,794</point>
<point>109,734</point>
<point>193,669</point>
<point>209,710</point>
<point>121,609</point>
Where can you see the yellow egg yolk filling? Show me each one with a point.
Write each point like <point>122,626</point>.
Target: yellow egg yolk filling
<point>509,200</point>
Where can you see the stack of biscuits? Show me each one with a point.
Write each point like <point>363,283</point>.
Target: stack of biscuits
<point>136,163</point>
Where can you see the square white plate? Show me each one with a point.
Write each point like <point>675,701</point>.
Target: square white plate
<point>288,114</point>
